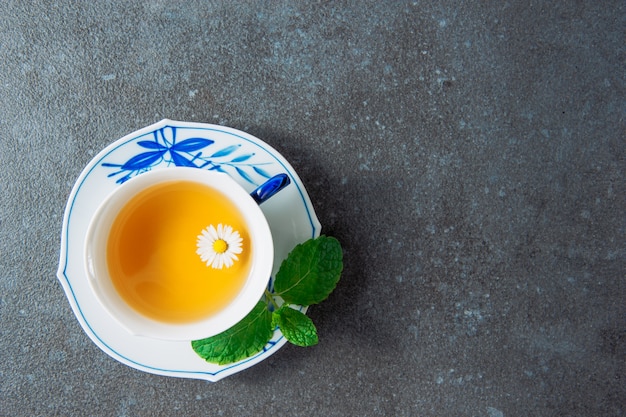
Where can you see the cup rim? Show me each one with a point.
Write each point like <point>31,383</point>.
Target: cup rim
<point>140,325</point>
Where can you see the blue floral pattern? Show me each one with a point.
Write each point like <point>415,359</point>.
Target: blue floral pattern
<point>165,149</point>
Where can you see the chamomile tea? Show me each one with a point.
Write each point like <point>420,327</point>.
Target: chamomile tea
<point>154,259</point>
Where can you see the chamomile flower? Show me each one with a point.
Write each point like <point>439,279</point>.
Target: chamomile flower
<point>218,247</point>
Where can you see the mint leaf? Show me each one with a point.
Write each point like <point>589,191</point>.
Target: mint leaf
<point>241,341</point>
<point>295,326</point>
<point>310,272</point>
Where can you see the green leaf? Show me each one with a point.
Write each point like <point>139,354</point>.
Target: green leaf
<point>241,341</point>
<point>310,272</point>
<point>296,326</point>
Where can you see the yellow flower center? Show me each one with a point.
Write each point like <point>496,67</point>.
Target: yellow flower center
<point>220,246</point>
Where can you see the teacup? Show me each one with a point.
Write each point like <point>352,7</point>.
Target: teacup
<point>180,253</point>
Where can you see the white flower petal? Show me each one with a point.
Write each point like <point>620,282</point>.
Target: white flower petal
<point>206,250</point>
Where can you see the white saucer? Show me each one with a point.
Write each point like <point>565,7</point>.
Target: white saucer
<point>245,158</point>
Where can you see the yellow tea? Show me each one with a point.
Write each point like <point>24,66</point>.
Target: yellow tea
<point>152,259</point>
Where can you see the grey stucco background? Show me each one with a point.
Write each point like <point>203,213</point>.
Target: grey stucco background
<point>468,155</point>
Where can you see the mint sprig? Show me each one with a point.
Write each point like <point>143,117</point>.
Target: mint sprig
<point>307,276</point>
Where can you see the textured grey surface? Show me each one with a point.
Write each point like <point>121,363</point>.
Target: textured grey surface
<point>469,157</point>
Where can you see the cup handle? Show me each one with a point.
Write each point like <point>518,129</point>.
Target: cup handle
<point>266,190</point>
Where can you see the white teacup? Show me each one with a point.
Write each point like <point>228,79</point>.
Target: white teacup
<point>103,268</point>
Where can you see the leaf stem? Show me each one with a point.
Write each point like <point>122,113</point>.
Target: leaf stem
<point>270,298</point>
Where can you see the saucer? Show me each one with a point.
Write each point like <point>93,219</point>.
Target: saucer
<point>247,159</point>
